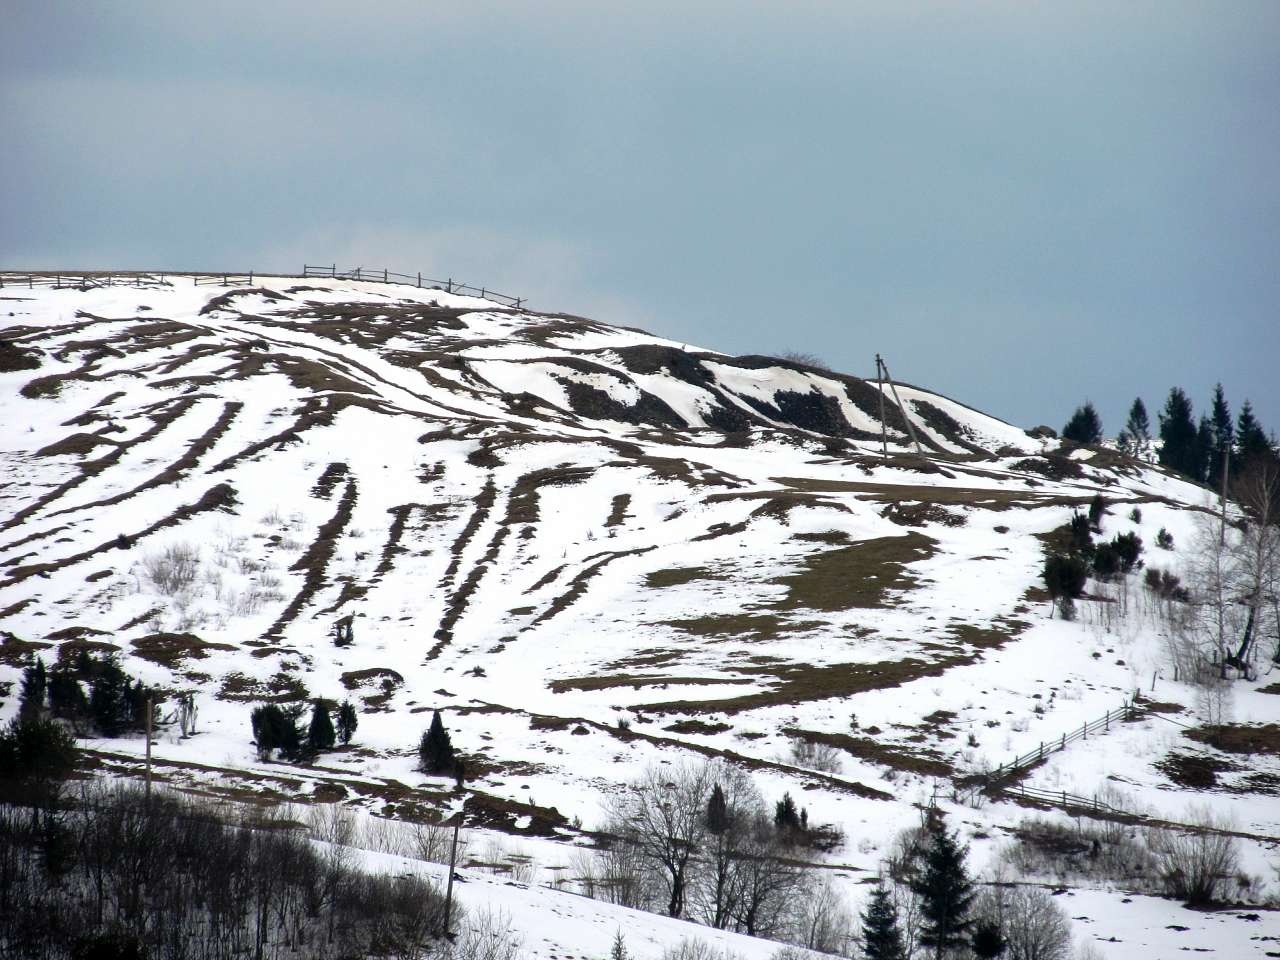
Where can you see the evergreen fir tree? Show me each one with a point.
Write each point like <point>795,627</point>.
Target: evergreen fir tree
<point>717,812</point>
<point>988,942</point>
<point>1251,440</point>
<point>435,751</point>
<point>1085,426</point>
<point>1203,449</point>
<point>1178,435</point>
<point>881,938</point>
<point>946,895</point>
<point>347,722</point>
<point>619,949</point>
<point>66,697</point>
<point>35,684</point>
<point>320,735</point>
<point>275,728</point>
<point>1222,436</point>
<point>1135,438</point>
<point>785,814</point>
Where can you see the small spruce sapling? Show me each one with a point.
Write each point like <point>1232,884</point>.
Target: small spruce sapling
<point>348,720</point>
<point>320,734</point>
<point>35,684</point>
<point>435,750</point>
<point>881,938</point>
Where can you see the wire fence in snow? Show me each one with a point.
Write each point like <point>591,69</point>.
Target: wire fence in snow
<point>90,279</point>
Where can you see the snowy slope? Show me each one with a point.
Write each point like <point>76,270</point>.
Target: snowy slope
<point>543,524</point>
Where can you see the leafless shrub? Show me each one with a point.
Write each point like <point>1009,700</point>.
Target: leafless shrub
<point>690,949</point>
<point>804,358</point>
<point>822,921</point>
<point>486,935</point>
<point>173,569</point>
<point>1032,923</point>
<point>1091,849</point>
<point>433,842</point>
<point>815,756</point>
<point>1196,866</point>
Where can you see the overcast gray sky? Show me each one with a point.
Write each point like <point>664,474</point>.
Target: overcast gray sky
<point>1019,204</point>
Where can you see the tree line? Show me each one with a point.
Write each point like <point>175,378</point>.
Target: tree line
<point>1198,450</point>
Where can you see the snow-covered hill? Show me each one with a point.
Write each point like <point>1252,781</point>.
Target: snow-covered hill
<point>594,549</point>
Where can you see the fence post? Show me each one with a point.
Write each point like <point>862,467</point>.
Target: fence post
<point>1063,745</point>
<point>1084,732</point>
<point>449,285</point>
<point>419,279</point>
<point>384,274</point>
<point>251,278</point>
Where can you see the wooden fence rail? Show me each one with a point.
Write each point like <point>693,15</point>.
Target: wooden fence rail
<point>383,275</point>
<point>1032,757</point>
<point>89,279</point>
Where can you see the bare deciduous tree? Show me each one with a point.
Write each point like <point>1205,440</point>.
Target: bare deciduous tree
<point>663,816</point>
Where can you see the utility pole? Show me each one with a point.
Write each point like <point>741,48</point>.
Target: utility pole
<point>884,436</point>
<point>148,795</point>
<point>453,861</point>
<point>905,416</point>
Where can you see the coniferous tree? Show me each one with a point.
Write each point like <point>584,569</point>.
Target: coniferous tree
<point>946,895</point>
<point>66,697</point>
<point>1135,438</point>
<point>347,721</point>
<point>435,750</point>
<point>785,815</point>
<point>1203,449</point>
<point>717,812</point>
<point>881,938</point>
<point>1221,437</point>
<point>988,941</point>
<point>1064,578</point>
<point>275,728</point>
<point>1085,426</point>
<point>1178,435</point>
<point>35,684</point>
<point>320,735</point>
<point>1250,439</point>
<point>619,949</point>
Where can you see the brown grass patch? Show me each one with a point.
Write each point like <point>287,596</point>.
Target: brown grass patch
<point>371,676</point>
<point>698,727</point>
<point>1195,771</point>
<point>747,626</point>
<point>636,681</point>
<point>678,576</point>
<point>875,752</point>
<point>170,649</point>
<point>15,652</point>
<point>804,682</point>
<point>76,445</point>
<point>856,576</point>
<point>1237,738</point>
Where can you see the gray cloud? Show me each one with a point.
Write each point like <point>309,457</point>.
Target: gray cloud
<point>1020,205</point>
